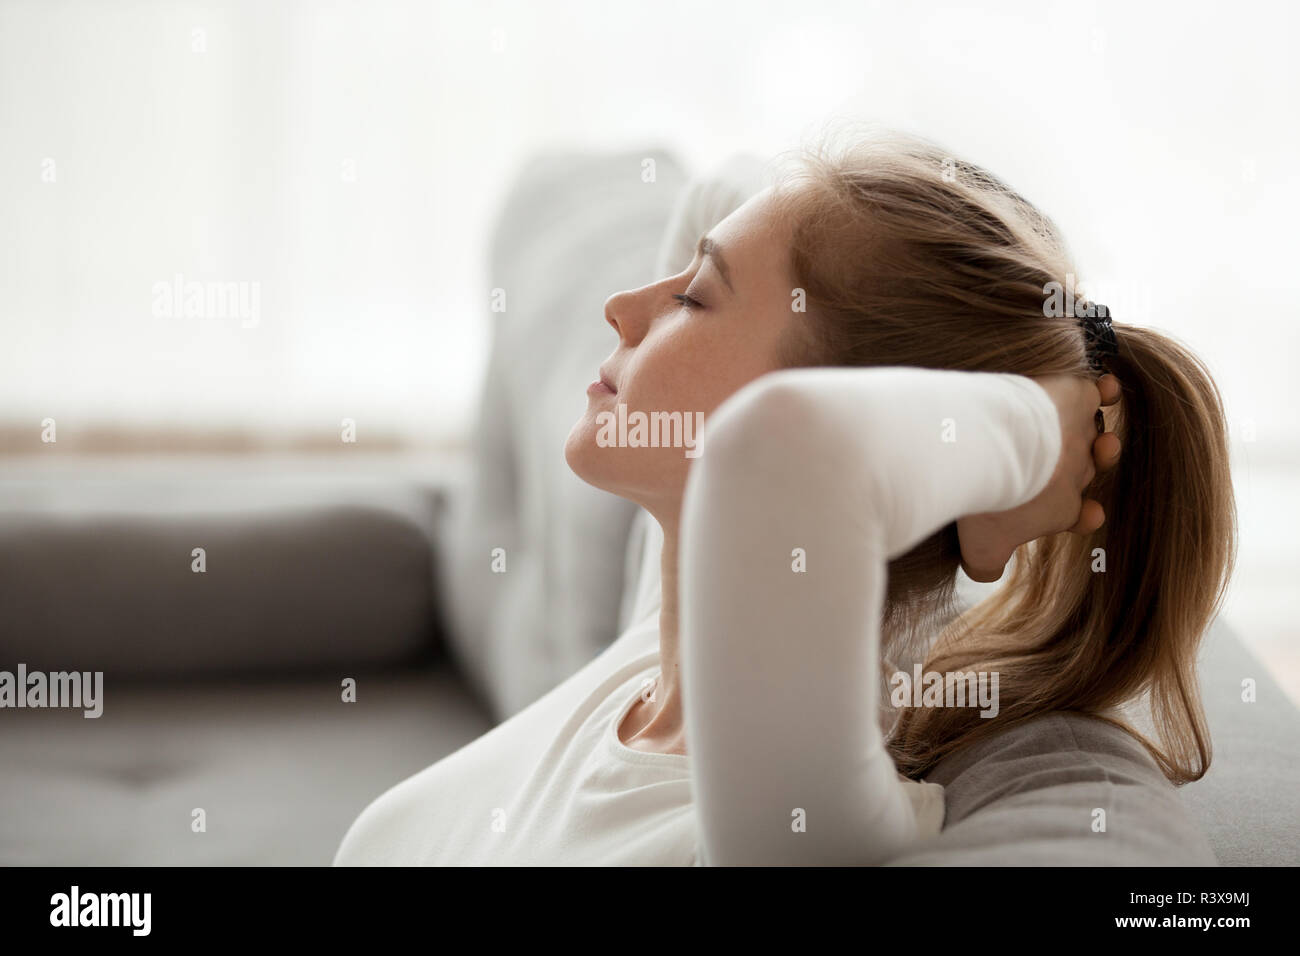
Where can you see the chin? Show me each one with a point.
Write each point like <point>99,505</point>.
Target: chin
<point>644,476</point>
<point>603,468</point>
<point>581,452</point>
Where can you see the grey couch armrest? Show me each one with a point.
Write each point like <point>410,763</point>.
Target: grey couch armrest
<point>299,574</point>
<point>1037,794</point>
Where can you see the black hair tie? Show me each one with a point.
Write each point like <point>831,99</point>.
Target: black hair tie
<point>1099,336</point>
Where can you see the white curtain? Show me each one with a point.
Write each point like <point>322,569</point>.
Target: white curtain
<point>339,164</point>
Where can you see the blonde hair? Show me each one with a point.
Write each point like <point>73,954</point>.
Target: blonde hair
<point>909,256</point>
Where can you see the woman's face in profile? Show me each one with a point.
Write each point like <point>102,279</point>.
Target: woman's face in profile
<point>685,343</point>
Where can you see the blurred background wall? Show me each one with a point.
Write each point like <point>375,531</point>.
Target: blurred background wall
<point>338,165</point>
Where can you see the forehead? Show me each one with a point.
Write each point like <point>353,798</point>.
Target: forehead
<point>755,244</point>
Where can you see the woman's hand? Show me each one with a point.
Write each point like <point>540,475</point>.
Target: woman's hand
<point>988,540</point>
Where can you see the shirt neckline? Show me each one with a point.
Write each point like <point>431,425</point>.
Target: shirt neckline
<point>622,750</point>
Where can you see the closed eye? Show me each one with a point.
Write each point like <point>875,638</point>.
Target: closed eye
<point>687,301</point>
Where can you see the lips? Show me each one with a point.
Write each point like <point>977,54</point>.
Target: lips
<point>607,380</point>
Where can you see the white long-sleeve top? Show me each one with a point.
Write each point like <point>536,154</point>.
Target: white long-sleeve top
<point>786,762</point>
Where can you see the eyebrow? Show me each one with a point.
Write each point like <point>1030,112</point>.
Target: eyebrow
<point>707,247</point>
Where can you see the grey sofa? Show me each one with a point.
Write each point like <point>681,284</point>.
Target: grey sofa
<point>223,689</point>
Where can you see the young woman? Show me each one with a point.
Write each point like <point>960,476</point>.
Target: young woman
<point>890,394</point>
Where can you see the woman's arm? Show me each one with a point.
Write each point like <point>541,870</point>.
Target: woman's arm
<point>780,676</point>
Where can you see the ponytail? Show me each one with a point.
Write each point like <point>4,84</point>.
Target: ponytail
<point>1087,623</point>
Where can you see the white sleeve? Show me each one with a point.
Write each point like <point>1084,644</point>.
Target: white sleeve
<point>854,466</point>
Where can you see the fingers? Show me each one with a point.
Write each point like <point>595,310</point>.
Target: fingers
<point>1106,447</point>
<point>1105,455</point>
<point>1091,517</point>
<point>1105,451</point>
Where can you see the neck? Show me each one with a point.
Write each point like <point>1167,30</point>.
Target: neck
<point>669,648</point>
<point>658,724</point>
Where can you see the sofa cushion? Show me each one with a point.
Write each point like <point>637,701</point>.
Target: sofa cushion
<point>280,767</point>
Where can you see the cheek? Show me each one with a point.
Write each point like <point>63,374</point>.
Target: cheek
<point>683,372</point>
<point>684,368</point>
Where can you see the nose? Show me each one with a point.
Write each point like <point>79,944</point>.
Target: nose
<point>629,313</point>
